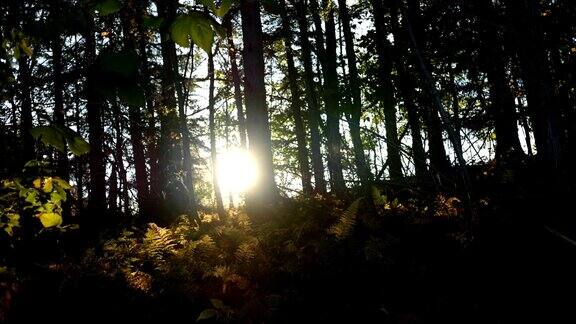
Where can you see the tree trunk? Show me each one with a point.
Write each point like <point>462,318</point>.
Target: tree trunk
<point>356,112</point>
<point>502,107</point>
<point>264,192</point>
<point>212,126</point>
<point>170,157</point>
<point>314,120</point>
<point>94,106</point>
<point>59,110</point>
<point>235,80</point>
<point>327,57</point>
<point>296,102</point>
<point>149,92</point>
<point>415,33</point>
<point>130,28</point>
<point>187,165</point>
<point>527,36</point>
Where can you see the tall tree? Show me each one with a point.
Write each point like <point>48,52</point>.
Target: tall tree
<point>414,32</point>
<point>235,74</point>
<point>328,59</point>
<point>56,45</point>
<point>355,90</point>
<point>494,62</point>
<point>212,126</point>
<point>258,127</point>
<point>130,29</point>
<point>314,120</point>
<point>528,38</point>
<point>386,91</point>
<point>94,106</point>
<point>170,157</point>
<point>296,102</point>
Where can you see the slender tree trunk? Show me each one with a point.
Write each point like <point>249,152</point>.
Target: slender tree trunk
<point>113,191</point>
<point>386,92</point>
<point>406,87</point>
<point>258,127</point>
<point>235,80</point>
<point>26,110</point>
<point>24,90</point>
<point>415,35</point>
<point>151,137</point>
<point>327,57</point>
<point>314,120</point>
<point>130,29</point>
<point>296,102</point>
<point>212,126</point>
<point>527,36</point>
<point>94,106</point>
<point>170,157</point>
<point>118,170</point>
<point>502,106</point>
<point>80,161</point>
<point>59,110</point>
<point>355,91</point>
<point>186,142</point>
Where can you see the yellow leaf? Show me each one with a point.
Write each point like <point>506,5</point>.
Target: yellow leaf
<point>37,183</point>
<point>50,219</point>
<point>13,219</point>
<point>48,185</point>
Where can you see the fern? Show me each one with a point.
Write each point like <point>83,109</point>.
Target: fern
<point>343,228</point>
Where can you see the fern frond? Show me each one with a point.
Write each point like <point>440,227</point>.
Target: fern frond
<point>343,228</point>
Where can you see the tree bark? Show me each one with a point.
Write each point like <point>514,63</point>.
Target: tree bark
<point>502,107</point>
<point>264,192</point>
<point>314,120</point>
<point>170,157</point>
<point>527,36</point>
<point>94,106</point>
<point>59,109</point>
<point>235,80</point>
<point>296,102</point>
<point>356,112</point>
<point>212,126</point>
<point>130,28</point>
<point>327,57</point>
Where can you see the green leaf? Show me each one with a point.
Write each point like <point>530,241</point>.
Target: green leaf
<point>13,219</point>
<point>152,22</point>
<point>179,31</point>
<point>31,197</point>
<point>194,26</point>
<point>36,164</point>
<point>61,183</point>
<point>56,198</point>
<point>47,185</point>
<point>50,136</point>
<point>223,8</point>
<point>206,314</point>
<point>219,9</point>
<point>124,62</point>
<point>78,145</point>
<point>58,137</point>
<point>202,32</point>
<point>217,303</point>
<point>132,95</point>
<point>50,219</point>
<point>107,7</point>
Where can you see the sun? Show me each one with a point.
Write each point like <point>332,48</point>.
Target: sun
<point>237,171</point>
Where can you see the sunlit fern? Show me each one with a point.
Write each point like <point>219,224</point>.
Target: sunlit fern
<point>346,222</point>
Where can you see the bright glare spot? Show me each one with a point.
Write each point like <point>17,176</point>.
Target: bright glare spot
<point>237,172</point>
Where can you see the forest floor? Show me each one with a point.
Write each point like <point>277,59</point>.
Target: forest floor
<point>418,258</point>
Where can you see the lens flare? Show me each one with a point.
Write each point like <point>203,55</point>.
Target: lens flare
<point>237,171</point>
